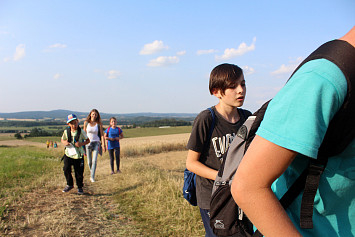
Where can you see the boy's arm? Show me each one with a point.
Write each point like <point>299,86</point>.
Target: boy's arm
<point>266,161</point>
<point>194,165</point>
<point>64,139</point>
<point>65,142</point>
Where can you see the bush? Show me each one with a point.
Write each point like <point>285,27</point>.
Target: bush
<point>18,135</point>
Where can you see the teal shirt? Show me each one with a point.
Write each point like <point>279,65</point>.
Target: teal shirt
<point>297,119</point>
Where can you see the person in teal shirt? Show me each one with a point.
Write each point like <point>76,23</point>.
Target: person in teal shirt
<point>293,128</point>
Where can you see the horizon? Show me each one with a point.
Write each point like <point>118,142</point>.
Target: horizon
<point>82,55</point>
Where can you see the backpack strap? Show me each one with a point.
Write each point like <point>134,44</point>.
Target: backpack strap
<point>213,123</point>
<point>108,130</point>
<point>77,136</point>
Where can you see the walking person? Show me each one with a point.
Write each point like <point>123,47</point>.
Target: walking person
<point>113,135</point>
<point>74,138</point>
<point>93,128</point>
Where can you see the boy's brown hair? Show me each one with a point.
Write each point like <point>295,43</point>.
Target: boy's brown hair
<point>224,76</point>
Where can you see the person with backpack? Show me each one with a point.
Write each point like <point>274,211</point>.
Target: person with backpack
<point>93,128</point>
<point>74,138</point>
<point>289,140</point>
<point>113,135</point>
<point>227,83</point>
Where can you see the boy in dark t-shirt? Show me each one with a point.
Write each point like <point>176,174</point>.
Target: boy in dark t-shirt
<point>228,85</point>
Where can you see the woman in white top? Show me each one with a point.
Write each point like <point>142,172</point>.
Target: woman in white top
<point>93,128</point>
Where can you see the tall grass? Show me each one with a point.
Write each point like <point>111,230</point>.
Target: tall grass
<point>151,191</point>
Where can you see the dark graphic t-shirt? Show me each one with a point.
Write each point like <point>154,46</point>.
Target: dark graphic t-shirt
<point>222,136</point>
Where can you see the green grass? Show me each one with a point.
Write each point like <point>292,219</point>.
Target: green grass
<point>20,170</point>
<point>144,132</point>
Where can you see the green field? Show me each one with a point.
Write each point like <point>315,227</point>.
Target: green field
<point>130,133</point>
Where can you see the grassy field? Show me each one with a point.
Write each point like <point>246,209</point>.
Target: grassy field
<point>22,169</point>
<point>145,200</point>
<point>131,133</point>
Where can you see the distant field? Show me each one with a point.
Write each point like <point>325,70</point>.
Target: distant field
<point>128,133</point>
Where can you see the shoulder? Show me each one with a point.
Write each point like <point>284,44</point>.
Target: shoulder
<point>204,116</point>
<point>304,107</point>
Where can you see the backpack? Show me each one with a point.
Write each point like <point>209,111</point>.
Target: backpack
<point>189,187</point>
<point>226,217</point>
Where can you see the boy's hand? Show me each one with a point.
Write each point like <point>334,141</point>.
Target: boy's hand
<point>77,144</point>
<point>117,138</point>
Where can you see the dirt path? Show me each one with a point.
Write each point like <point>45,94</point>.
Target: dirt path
<point>47,211</point>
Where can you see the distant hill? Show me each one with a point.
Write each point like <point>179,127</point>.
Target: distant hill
<point>62,114</point>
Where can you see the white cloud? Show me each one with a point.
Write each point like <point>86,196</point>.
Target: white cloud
<point>153,47</point>
<point>57,76</point>
<point>206,51</point>
<point>248,70</point>
<point>285,69</point>
<point>113,74</point>
<point>19,52</point>
<point>61,46</point>
<point>163,61</point>
<point>242,49</point>
<point>180,53</point>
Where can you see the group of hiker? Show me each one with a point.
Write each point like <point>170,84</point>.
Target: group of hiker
<point>50,143</point>
<point>307,133</point>
<point>91,140</point>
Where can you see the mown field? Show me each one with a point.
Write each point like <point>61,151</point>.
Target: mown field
<point>144,200</point>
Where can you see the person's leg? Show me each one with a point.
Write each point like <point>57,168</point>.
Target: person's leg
<point>89,155</point>
<point>117,153</point>
<point>95,153</point>
<point>67,171</point>
<point>205,215</point>
<point>79,172</point>
<point>111,153</point>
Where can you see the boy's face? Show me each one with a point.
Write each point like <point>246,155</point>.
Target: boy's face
<point>73,124</point>
<point>113,122</point>
<point>233,96</point>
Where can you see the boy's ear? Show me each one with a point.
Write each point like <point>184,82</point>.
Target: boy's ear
<point>217,93</point>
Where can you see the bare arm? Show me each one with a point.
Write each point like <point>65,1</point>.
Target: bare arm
<point>120,136</point>
<point>266,161</point>
<point>64,142</point>
<point>79,144</point>
<point>103,143</point>
<point>194,165</point>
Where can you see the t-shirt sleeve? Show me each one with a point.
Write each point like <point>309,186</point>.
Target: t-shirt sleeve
<point>200,130</point>
<point>299,115</point>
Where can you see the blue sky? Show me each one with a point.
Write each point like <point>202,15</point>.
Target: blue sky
<point>154,56</point>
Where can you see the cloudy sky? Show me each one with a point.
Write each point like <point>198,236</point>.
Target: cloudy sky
<point>154,56</point>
